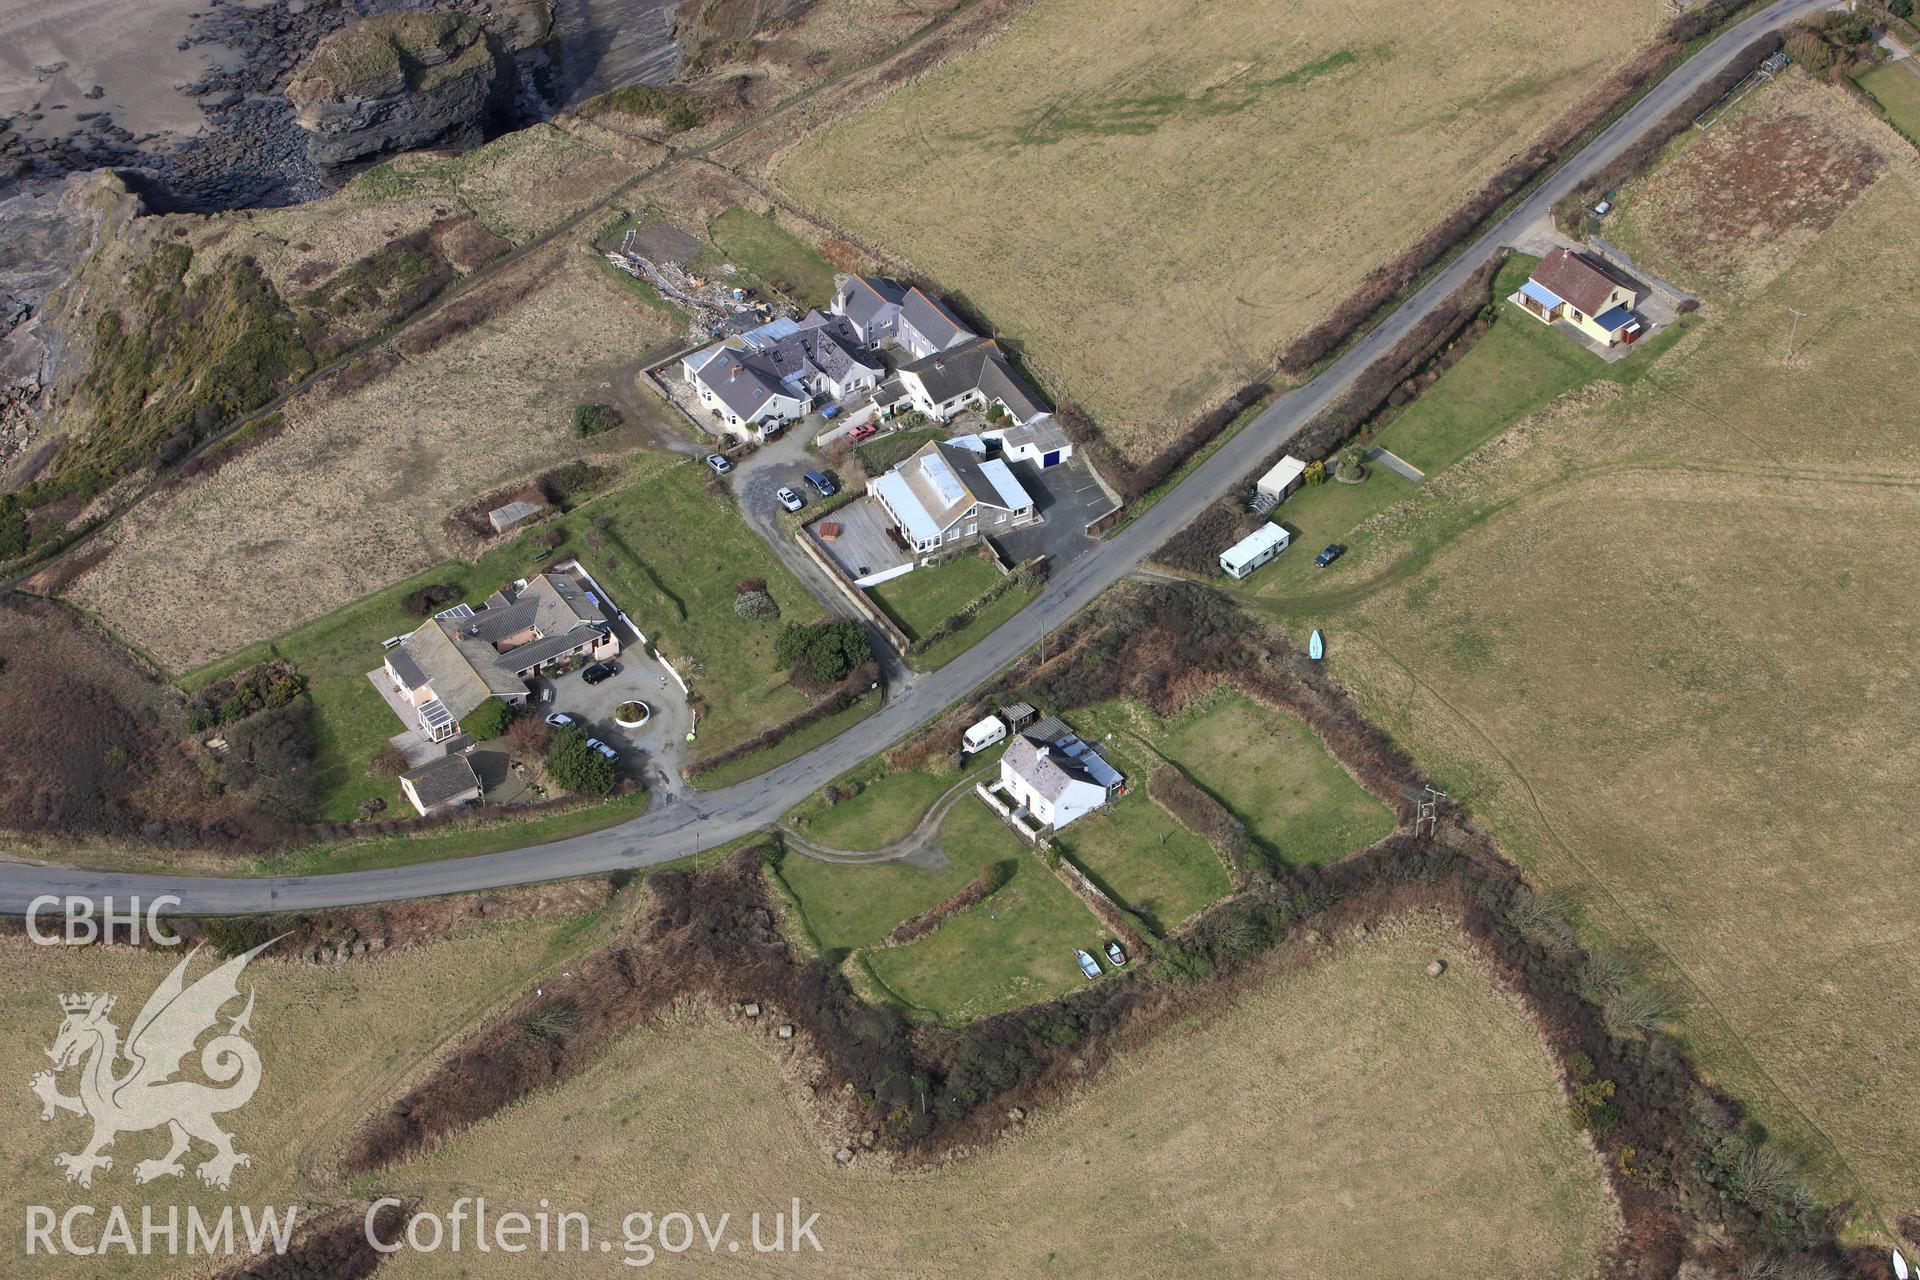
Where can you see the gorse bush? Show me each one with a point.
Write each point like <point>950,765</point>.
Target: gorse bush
<point>261,687</point>
<point>830,651</point>
<point>593,419</point>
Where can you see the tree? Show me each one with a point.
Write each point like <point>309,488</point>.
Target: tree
<point>488,720</point>
<point>574,766</point>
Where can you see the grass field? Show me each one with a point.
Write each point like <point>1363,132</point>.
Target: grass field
<point>1172,201</point>
<point>1014,948</point>
<point>790,747</point>
<point>889,805</point>
<point>1267,767</point>
<point>1655,641</point>
<point>1146,860</point>
<point>334,1042</point>
<point>1517,368</point>
<point>670,554</point>
<point>352,494</point>
<point>920,601</point>
<point>1403,1126</point>
<point>1896,87</point>
<point>519,185</point>
<point>773,255</point>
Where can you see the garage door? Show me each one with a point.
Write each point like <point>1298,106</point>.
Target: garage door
<point>1052,459</point>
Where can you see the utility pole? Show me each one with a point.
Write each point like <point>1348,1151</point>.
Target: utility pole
<point>1793,330</point>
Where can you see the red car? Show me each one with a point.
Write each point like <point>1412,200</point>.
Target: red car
<point>861,432</point>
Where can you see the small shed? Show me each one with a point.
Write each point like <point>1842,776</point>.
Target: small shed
<point>504,518</point>
<point>1254,550</point>
<point>1283,479</point>
<point>1018,715</point>
<point>448,780</point>
<point>984,734</point>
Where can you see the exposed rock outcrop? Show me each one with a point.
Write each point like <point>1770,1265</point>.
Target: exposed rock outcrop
<point>400,81</point>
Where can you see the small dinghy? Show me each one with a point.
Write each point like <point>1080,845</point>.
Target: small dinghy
<point>1316,646</point>
<point>1899,1266</point>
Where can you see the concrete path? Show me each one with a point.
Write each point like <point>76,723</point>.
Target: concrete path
<point>671,830</point>
<point>1395,463</point>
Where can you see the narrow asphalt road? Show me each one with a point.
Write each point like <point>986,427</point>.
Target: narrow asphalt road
<point>678,827</point>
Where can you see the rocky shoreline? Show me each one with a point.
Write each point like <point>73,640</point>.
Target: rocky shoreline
<point>252,151</point>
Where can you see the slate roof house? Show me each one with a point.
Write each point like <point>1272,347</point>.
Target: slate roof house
<point>1574,288</point>
<point>970,376</point>
<point>449,780</point>
<point>945,497</point>
<point>775,373</point>
<point>459,658</point>
<point>1056,777</point>
<point>886,311</point>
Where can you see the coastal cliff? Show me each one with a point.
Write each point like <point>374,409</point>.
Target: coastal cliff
<point>401,81</point>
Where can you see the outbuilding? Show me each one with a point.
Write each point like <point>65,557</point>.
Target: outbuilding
<point>450,780</point>
<point>1282,480</point>
<point>1254,550</point>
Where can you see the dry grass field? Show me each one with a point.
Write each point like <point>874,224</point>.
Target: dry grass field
<point>351,495</point>
<point>1737,204</point>
<point>1661,641</point>
<point>518,185</point>
<point>1178,189</point>
<point>1385,1123</point>
<point>334,1042</point>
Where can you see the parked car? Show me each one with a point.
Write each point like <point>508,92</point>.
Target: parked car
<point>559,719</point>
<point>1333,552</point>
<point>719,463</point>
<point>822,483</point>
<point>600,671</point>
<point>594,744</point>
<point>789,499</point>
<point>865,431</point>
<point>1115,954</point>
<point>1602,209</point>
<point>1088,965</point>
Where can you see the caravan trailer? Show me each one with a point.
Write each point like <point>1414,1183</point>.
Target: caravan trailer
<point>983,735</point>
<point>1254,550</point>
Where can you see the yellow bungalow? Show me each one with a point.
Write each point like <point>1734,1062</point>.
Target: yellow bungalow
<point>1572,287</point>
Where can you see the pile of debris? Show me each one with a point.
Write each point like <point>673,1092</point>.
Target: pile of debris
<point>716,308</point>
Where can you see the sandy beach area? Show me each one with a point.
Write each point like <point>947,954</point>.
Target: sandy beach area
<point>126,46</point>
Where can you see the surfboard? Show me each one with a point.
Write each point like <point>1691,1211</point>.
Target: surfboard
<point>1316,646</point>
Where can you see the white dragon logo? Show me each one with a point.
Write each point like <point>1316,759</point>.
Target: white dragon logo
<point>146,1095</point>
